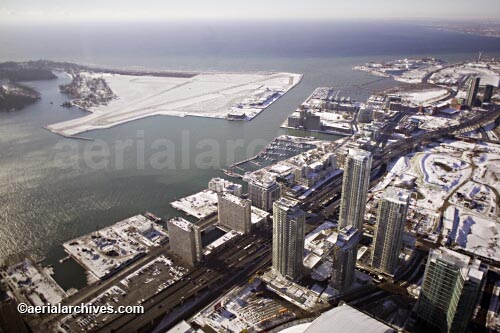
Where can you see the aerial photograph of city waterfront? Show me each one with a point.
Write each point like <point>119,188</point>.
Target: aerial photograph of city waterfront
<point>249,166</point>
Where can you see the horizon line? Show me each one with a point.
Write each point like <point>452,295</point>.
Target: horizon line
<point>409,20</point>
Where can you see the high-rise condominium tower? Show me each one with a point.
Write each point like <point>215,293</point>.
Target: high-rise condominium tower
<point>355,184</point>
<point>345,253</point>
<point>288,238</point>
<point>450,290</point>
<point>388,238</point>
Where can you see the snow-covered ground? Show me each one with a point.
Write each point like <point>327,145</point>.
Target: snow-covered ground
<point>206,95</point>
<point>473,221</point>
<point>403,70</point>
<point>492,131</point>
<point>396,172</point>
<point>454,73</point>
<point>434,122</point>
<point>477,197</point>
<point>438,175</point>
<point>425,96</point>
<point>416,75</point>
<point>472,231</point>
<point>488,167</point>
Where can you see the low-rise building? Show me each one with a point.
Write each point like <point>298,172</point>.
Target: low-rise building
<point>313,166</point>
<point>220,185</point>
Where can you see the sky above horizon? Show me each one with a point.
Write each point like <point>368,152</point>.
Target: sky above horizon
<point>127,10</point>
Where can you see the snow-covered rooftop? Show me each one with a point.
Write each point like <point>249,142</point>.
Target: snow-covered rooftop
<point>234,199</point>
<point>347,319</point>
<point>397,195</point>
<point>220,241</point>
<point>181,223</point>
<point>199,205</point>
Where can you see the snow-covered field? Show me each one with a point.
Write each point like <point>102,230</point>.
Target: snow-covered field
<point>396,173</point>
<point>206,95</point>
<point>473,232</point>
<point>438,175</point>
<point>416,75</point>
<point>488,74</point>
<point>425,96</point>
<point>434,122</point>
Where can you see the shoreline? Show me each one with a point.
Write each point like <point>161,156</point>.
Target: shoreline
<point>66,66</point>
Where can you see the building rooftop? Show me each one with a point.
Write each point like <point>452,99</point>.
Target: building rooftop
<point>233,187</point>
<point>266,181</point>
<point>220,241</point>
<point>109,249</point>
<point>471,269</point>
<point>286,204</point>
<point>346,236</point>
<point>234,199</point>
<point>218,184</point>
<point>347,232</point>
<point>359,154</point>
<point>311,260</point>
<point>181,223</point>
<point>396,195</point>
<point>347,319</point>
<point>199,205</point>
<point>257,215</point>
<point>452,257</point>
<point>476,274</point>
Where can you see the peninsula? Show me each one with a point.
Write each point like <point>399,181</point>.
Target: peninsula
<point>15,96</point>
